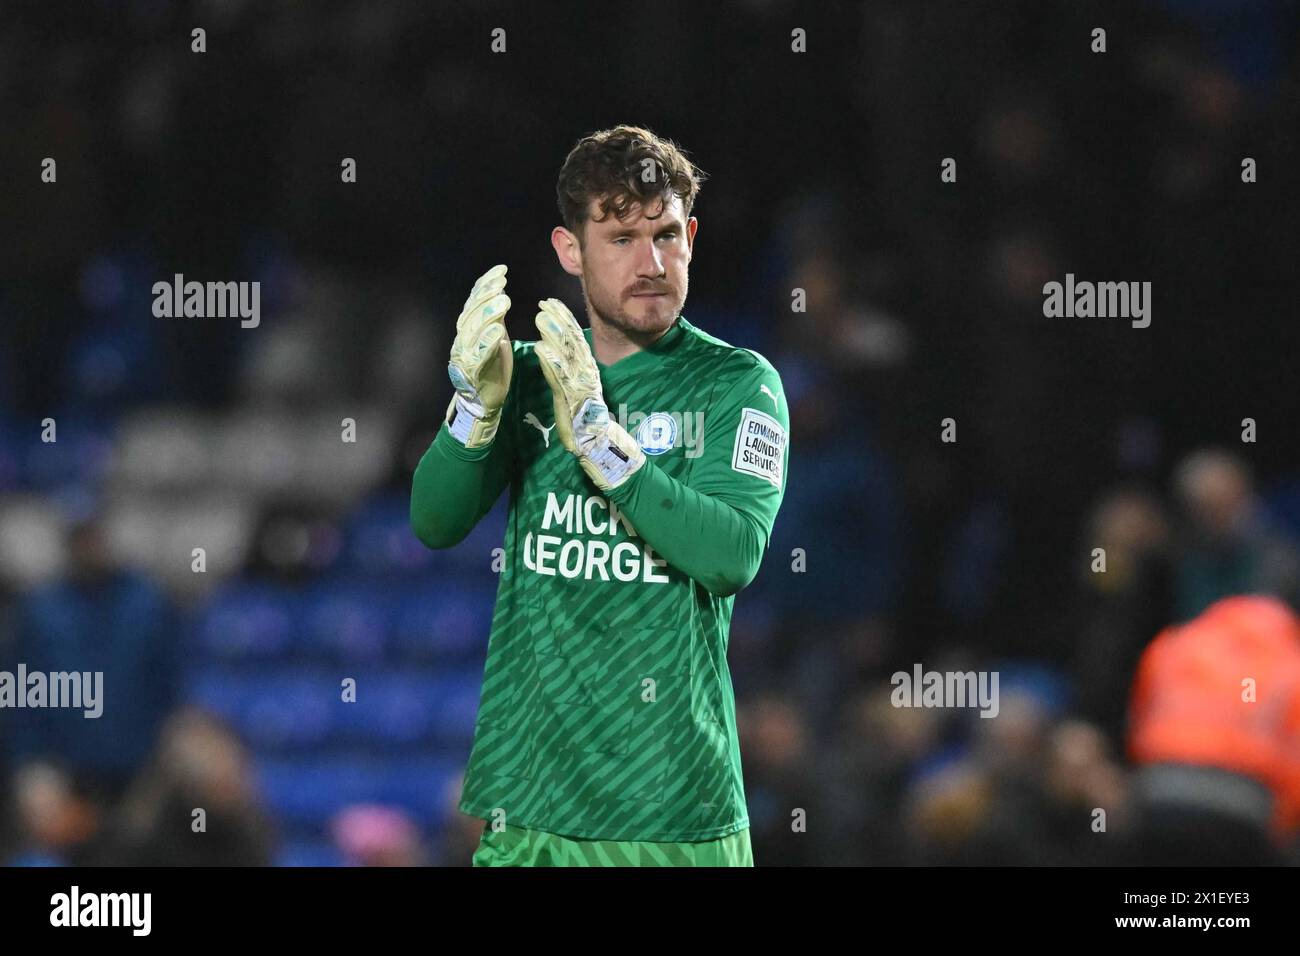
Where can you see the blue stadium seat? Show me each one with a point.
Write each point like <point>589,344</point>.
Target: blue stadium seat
<point>455,708</point>
<point>78,456</point>
<point>392,709</point>
<point>276,710</point>
<point>218,692</point>
<point>309,792</point>
<point>107,367</point>
<point>248,621</point>
<point>380,542</point>
<point>348,622</point>
<point>309,853</point>
<point>422,787</point>
<point>399,710</point>
<point>446,623</point>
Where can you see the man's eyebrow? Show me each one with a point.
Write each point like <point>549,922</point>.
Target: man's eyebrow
<point>628,231</point>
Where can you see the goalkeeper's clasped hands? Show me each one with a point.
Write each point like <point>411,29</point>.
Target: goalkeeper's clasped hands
<point>480,369</point>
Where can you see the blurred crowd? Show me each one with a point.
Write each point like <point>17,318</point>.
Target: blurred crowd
<point>924,303</point>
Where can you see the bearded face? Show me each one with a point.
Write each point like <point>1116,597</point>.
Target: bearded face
<point>635,271</point>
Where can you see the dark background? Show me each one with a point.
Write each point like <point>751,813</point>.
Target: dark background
<point>924,303</point>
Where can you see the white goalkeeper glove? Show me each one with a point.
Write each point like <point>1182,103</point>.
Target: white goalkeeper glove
<point>481,362</point>
<point>607,453</point>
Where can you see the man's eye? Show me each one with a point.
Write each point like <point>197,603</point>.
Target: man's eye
<point>668,235</point>
<point>621,239</point>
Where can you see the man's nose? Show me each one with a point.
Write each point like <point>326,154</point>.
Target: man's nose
<point>650,264</point>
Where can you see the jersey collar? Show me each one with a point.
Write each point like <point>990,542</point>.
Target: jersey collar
<point>638,360</point>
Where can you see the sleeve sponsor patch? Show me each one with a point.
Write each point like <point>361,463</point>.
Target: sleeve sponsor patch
<point>760,446</point>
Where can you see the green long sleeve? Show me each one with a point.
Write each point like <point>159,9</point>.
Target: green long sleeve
<point>705,538</point>
<point>455,486</point>
<point>715,523</point>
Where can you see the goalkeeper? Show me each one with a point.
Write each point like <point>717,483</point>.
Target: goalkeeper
<point>645,461</point>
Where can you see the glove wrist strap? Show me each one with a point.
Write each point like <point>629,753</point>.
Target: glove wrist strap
<point>469,424</point>
<point>611,456</point>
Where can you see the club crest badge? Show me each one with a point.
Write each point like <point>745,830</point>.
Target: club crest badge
<point>657,433</point>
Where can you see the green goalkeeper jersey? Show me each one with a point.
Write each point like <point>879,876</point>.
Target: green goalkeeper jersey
<point>607,711</point>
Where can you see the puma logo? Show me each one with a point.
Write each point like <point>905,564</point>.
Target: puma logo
<point>531,419</point>
<point>775,401</point>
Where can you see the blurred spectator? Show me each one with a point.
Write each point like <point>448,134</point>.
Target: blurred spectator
<point>866,773</point>
<point>58,822</point>
<point>101,618</point>
<point>1228,546</point>
<point>947,815</point>
<point>1215,732</point>
<point>1008,821</point>
<point>1118,609</point>
<point>200,765</point>
<point>1083,777</point>
<point>785,807</point>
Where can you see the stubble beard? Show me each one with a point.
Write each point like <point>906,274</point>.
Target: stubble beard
<point>637,328</point>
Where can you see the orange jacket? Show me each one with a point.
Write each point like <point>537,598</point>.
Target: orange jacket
<point>1191,698</point>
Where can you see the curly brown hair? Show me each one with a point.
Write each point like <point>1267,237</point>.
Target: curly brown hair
<point>621,168</point>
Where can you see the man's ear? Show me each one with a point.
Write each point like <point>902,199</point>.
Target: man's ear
<point>568,250</point>
<point>692,224</point>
